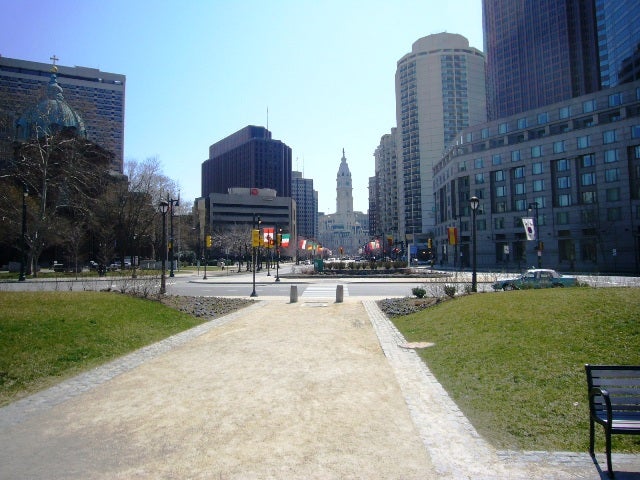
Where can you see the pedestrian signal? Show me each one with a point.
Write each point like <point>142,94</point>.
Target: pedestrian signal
<point>208,241</point>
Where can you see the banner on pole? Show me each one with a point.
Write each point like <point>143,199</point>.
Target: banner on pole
<point>529,228</point>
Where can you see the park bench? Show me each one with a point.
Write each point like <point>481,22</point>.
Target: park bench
<point>614,402</point>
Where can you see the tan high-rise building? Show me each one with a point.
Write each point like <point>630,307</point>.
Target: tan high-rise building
<point>440,90</point>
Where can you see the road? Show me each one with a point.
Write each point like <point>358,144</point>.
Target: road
<point>230,283</point>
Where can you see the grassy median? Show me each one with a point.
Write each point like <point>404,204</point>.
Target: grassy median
<point>48,336</point>
<point>514,361</point>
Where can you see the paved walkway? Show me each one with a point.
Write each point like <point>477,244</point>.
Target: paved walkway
<point>312,390</point>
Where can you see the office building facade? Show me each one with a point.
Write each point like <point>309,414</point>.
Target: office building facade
<point>306,199</point>
<point>98,97</point>
<point>618,24</point>
<point>573,167</point>
<point>249,158</point>
<point>440,90</point>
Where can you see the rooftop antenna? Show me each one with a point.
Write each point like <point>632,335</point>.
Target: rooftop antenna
<point>267,118</point>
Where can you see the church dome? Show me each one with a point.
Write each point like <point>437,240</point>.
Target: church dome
<point>50,115</point>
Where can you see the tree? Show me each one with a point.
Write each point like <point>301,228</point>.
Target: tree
<point>65,174</point>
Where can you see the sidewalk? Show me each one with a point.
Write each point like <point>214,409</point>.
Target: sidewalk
<point>314,390</point>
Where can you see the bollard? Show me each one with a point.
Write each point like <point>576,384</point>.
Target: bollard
<point>293,297</point>
<point>339,293</point>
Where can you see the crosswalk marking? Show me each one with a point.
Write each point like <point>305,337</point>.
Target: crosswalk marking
<point>323,290</point>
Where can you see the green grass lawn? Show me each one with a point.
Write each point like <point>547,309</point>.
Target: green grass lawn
<point>514,361</point>
<point>48,336</point>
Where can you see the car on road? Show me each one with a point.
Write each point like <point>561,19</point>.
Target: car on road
<point>536,278</point>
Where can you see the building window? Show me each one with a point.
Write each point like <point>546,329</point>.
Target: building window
<point>588,179</point>
<point>498,223</point>
<point>478,163</point>
<point>543,118</point>
<point>536,151</point>
<point>562,218</point>
<point>538,185</point>
<point>588,197</point>
<point>521,205</point>
<point>503,128</point>
<point>636,152</point>
<point>589,106</point>
<point>484,133</point>
<point>564,182</point>
<point>496,159</point>
<point>608,136</point>
<point>562,165</point>
<point>522,123</point>
<point>610,156</point>
<point>564,200</point>
<point>515,154</point>
<point>558,147</point>
<point>518,172</point>
<point>499,176</point>
<point>588,160</point>
<point>588,216</point>
<point>564,112</point>
<point>615,99</point>
<point>479,177</point>
<point>537,168</point>
<point>501,191</point>
<point>520,189</point>
<point>635,131</point>
<point>614,213</point>
<point>584,141</point>
<point>501,207</point>
<point>613,194</point>
<point>481,224</point>
<point>612,175</point>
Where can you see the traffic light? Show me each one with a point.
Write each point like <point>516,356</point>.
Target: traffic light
<point>207,241</point>
<point>429,244</point>
<point>279,239</point>
<point>541,246</point>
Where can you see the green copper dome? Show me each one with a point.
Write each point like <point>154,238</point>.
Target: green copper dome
<point>50,115</point>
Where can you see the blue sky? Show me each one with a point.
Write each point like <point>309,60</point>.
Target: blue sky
<point>198,71</point>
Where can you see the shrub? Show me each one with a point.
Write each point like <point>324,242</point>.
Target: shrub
<point>419,292</point>
<point>450,290</point>
<point>352,265</point>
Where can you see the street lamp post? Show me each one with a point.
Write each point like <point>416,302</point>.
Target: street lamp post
<point>278,235</point>
<point>253,253</point>
<point>164,207</point>
<point>475,203</point>
<point>173,203</point>
<point>534,206</point>
<point>23,262</point>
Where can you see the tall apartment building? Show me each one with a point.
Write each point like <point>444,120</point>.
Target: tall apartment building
<point>386,190</point>
<point>98,97</point>
<point>249,158</point>
<point>307,204</point>
<point>440,90</point>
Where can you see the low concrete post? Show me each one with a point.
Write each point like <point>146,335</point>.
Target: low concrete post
<point>293,297</point>
<point>339,293</point>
